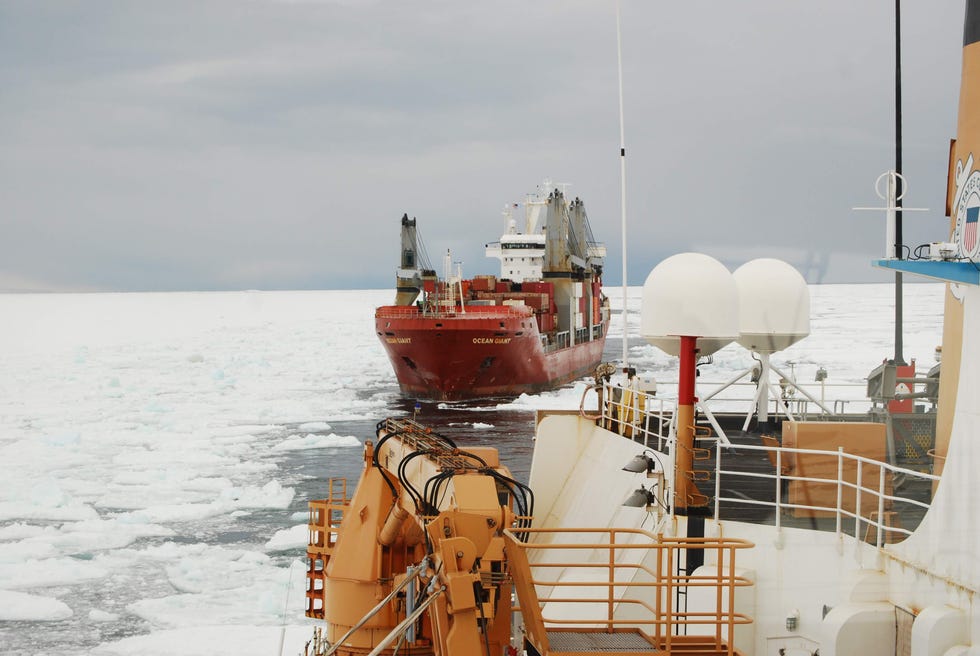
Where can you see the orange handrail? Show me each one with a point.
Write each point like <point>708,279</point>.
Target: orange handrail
<point>598,576</point>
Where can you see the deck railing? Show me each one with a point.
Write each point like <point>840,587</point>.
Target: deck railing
<point>472,311</point>
<point>863,491</point>
<point>646,416</point>
<point>869,498</point>
<point>609,580</point>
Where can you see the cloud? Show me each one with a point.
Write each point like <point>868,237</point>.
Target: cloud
<point>276,144</point>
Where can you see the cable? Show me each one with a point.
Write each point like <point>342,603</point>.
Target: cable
<point>524,499</point>
<point>656,457</point>
<point>917,252</point>
<point>431,492</point>
<point>467,454</point>
<point>376,463</point>
<point>403,479</point>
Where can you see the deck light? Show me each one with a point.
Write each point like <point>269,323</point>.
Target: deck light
<point>640,498</point>
<point>641,462</point>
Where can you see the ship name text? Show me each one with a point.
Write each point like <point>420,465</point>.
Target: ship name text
<point>492,340</point>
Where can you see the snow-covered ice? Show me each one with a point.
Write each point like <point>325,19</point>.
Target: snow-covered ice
<point>312,441</point>
<point>142,436</point>
<point>22,606</point>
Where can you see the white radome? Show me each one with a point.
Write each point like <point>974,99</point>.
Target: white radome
<point>693,295</point>
<point>774,305</point>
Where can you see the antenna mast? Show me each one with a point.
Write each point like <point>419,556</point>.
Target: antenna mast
<point>899,357</point>
<point>622,178</point>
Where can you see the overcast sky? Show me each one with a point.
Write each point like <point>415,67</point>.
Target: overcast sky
<point>256,144</point>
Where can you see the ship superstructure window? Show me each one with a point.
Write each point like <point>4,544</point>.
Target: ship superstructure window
<point>521,255</point>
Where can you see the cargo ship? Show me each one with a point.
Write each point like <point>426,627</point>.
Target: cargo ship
<point>540,324</point>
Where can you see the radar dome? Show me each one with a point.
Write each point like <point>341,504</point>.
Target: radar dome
<point>774,305</point>
<point>693,295</point>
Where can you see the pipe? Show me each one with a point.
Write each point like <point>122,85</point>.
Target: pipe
<point>392,526</point>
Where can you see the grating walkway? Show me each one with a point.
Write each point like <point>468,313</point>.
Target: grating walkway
<point>599,642</point>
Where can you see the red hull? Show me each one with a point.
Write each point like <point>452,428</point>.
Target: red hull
<point>489,351</point>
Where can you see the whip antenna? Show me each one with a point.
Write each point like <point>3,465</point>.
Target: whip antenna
<point>622,176</point>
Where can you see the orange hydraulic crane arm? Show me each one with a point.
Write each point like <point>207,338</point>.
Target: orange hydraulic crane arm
<point>422,500</point>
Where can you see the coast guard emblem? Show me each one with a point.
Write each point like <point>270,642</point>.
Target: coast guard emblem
<point>967,204</point>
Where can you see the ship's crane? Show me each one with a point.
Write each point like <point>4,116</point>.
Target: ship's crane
<point>415,562</point>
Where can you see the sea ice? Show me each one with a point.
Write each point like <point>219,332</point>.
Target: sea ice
<point>295,537</point>
<point>102,616</point>
<point>314,427</point>
<point>33,573</point>
<point>20,606</point>
<point>215,640</point>
<point>313,441</point>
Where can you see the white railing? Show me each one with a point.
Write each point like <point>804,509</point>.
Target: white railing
<point>844,508</point>
<point>627,409</point>
<point>785,401</point>
<point>868,504</point>
<point>643,417</point>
